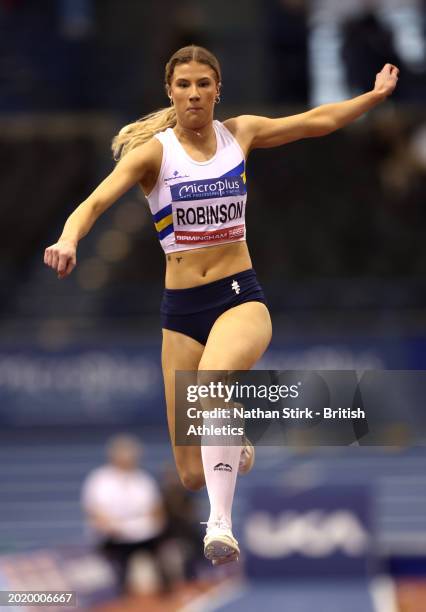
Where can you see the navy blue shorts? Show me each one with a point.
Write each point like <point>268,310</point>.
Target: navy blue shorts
<point>193,311</point>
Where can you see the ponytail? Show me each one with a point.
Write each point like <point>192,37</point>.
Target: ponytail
<point>139,132</point>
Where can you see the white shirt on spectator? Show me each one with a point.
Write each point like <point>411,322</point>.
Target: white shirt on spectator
<point>128,497</point>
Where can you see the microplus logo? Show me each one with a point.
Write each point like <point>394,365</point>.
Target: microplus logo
<point>213,188</point>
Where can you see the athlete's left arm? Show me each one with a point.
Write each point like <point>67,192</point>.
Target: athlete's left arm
<point>262,132</point>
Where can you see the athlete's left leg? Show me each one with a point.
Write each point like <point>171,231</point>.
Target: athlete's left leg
<point>237,340</point>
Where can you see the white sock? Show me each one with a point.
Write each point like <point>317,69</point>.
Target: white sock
<point>220,465</point>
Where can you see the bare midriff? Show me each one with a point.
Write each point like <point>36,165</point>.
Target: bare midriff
<point>205,265</point>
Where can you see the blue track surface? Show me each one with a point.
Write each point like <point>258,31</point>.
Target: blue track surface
<point>353,596</point>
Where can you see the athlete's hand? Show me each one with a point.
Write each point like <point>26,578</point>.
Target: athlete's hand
<point>61,256</point>
<point>386,80</point>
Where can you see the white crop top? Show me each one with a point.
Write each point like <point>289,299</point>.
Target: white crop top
<point>198,204</point>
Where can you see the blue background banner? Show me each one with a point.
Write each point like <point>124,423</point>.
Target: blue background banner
<point>324,531</point>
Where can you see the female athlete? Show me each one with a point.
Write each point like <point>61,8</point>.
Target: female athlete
<point>191,169</point>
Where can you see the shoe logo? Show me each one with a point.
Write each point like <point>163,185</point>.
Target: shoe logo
<point>222,467</point>
<point>235,286</point>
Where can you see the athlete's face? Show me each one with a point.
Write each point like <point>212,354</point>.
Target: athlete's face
<point>193,90</point>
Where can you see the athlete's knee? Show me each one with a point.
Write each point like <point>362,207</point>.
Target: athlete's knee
<point>192,480</point>
<point>210,373</point>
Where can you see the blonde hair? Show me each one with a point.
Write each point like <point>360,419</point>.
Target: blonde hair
<point>142,130</point>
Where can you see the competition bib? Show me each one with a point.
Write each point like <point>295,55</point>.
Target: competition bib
<point>210,210</point>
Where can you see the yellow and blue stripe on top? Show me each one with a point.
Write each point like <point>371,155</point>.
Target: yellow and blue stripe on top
<point>163,219</point>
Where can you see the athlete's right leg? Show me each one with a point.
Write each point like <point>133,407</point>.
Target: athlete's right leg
<point>180,352</point>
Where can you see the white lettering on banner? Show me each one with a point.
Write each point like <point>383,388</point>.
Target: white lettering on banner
<point>96,376</point>
<point>313,534</point>
<point>323,357</point>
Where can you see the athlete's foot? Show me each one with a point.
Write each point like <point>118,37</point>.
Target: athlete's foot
<point>231,558</point>
<point>247,457</point>
<point>220,546</point>
<point>224,560</point>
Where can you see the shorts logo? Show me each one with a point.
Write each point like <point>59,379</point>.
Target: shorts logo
<point>222,467</point>
<point>235,286</point>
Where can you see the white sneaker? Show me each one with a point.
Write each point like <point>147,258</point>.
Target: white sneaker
<point>247,457</point>
<point>219,543</point>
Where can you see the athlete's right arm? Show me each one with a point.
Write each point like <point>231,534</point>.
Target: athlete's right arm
<point>138,165</point>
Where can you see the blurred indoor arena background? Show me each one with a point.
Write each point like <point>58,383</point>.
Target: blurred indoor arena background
<point>337,232</point>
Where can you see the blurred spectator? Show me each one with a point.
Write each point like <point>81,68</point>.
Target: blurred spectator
<point>184,525</point>
<point>10,4</point>
<point>368,44</point>
<point>124,506</point>
<point>287,43</point>
<point>77,18</point>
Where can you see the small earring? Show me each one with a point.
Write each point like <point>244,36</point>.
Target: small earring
<point>171,100</point>
<point>217,99</point>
